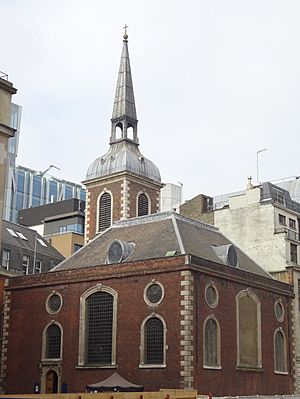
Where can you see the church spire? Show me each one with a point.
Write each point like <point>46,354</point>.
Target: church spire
<point>124,114</point>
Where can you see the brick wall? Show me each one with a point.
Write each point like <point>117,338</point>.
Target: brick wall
<point>183,308</point>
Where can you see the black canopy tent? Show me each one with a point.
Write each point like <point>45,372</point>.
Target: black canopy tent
<point>114,383</point>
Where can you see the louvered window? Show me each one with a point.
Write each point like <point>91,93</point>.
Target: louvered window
<point>143,205</point>
<point>104,211</point>
<point>154,341</point>
<point>211,344</point>
<point>99,328</point>
<point>280,352</point>
<point>53,342</point>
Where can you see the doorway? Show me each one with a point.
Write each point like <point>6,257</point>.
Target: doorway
<point>51,382</point>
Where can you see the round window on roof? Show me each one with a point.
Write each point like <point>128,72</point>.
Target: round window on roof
<point>211,296</point>
<point>154,293</point>
<point>279,311</point>
<point>54,303</point>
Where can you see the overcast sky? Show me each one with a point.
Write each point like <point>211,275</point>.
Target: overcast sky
<point>215,81</point>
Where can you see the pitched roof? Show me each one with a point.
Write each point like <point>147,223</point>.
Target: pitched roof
<point>24,237</point>
<point>156,236</point>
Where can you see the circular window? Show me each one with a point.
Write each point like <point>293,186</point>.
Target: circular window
<point>54,303</point>
<point>211,296</point>
<point>279,311</point>
<point>154,293</point>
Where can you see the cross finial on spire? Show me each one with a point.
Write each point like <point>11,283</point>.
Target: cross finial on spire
<point>125,36</point>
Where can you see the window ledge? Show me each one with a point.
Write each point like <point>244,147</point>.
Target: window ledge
<point>255,369</point>
<point>212,367</point>
<point>281,372</point>
<point>152,366</point>
<point>45,362</point>
<point>100,366</point>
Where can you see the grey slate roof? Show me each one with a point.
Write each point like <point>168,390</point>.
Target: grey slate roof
<point>29,243</point>
<point>124,98</point>
<point>153,237</point>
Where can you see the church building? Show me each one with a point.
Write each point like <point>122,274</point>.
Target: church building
<point>122,183</point>
<point>166,301</point>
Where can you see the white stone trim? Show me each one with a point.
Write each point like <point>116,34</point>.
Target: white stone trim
<point>105,190</point>
<point>218,365</point>
<point>137,202</point>
<point>44,339</point>
<point>251,294</point>
<point>125,199</point>
<point>280,330</point>
<point>142,340</point>
<point>81,346</point>
<point>187,334</point>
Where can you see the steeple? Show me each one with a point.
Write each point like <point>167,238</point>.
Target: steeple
<point>124,114</point>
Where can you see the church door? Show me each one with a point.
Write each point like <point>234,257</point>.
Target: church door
<point>51,382</point>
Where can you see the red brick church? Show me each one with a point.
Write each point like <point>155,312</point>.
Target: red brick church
<point>166,301</point>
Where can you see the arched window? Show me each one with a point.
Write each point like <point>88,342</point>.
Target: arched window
<point>143,205</point>
<point>153,346</point>
<point>104,211</point>
<point>248,330</point>
<point>211,340</point>
<point>280,363</point>
<point>52,342</point>
<point>97,334</point>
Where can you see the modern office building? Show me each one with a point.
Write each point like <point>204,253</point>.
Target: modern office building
<point>26,187</point>
<point>6,133</point>
<point>61,223</point>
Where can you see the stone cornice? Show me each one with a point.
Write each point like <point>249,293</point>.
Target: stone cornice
<point>7,130</point>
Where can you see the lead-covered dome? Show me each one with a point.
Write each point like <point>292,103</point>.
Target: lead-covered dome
<point>123,156</point>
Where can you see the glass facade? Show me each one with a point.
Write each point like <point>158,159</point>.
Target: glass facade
<point>29,188</point>
<point>26,188</point>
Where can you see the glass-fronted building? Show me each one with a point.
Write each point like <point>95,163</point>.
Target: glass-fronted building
<point>30,188</point>
<point>25,187</point>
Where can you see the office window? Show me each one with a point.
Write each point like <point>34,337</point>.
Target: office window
<point>38,266</point>
<point>25,264</point>
<point>5,258</point>
<point>68,192</point>
<point>282,220</point>
<point>292,224</point>
<point>279,196</point>
<point>77,247</point>
<point>293,253</point>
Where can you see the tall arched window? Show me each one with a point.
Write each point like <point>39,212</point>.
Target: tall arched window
<point>211,353</point>
<point>97,334</point>
<point>99,319</point>
<point>104,211</point>
<point>143,205</point>
<point>248,330</point>
<point>52,342</point>
<point>153,346</point>
<point>280,363</point>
